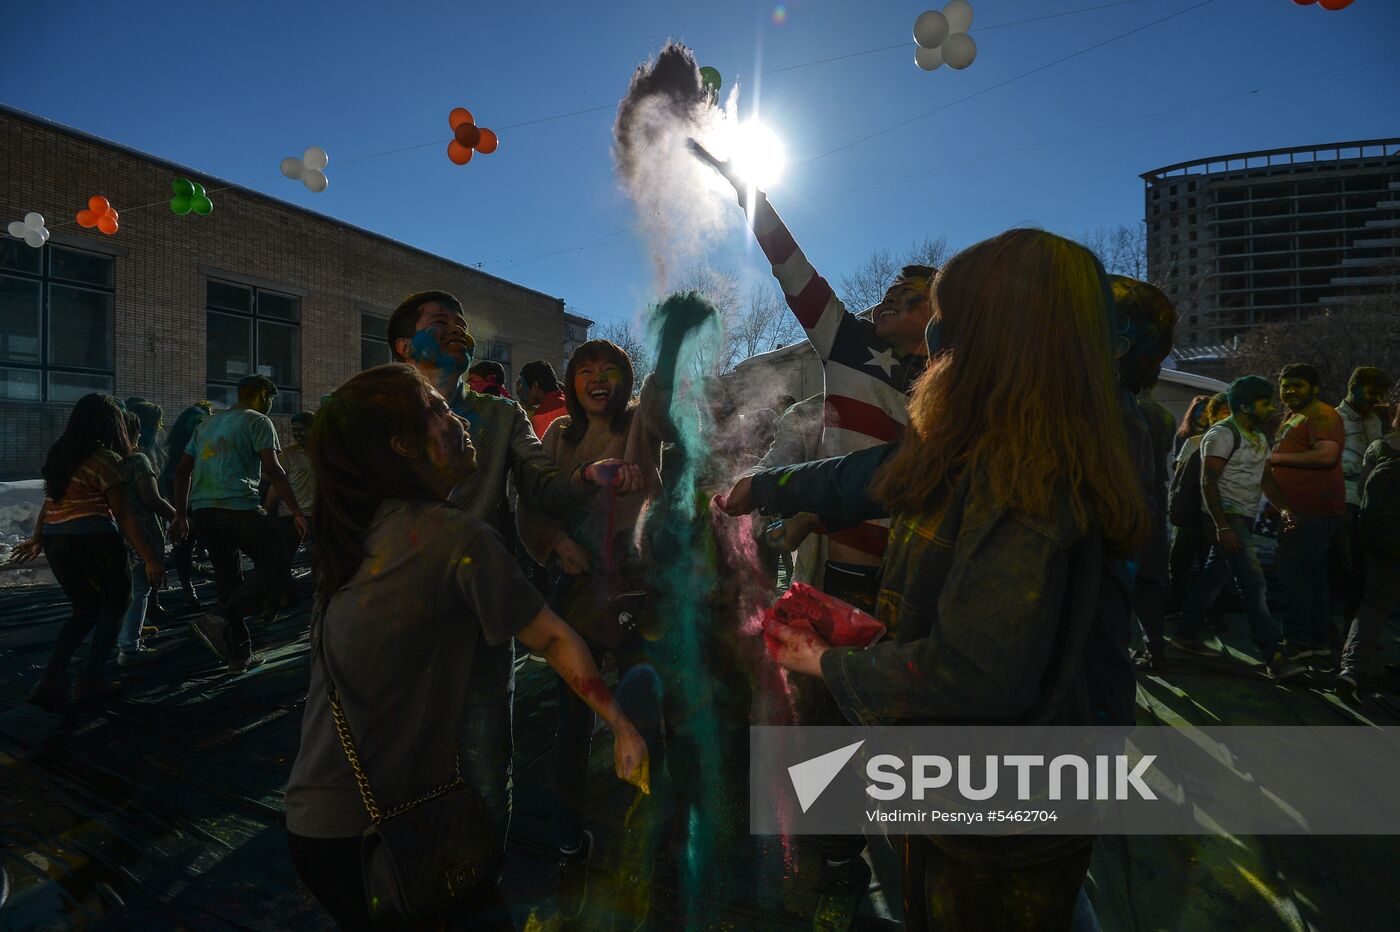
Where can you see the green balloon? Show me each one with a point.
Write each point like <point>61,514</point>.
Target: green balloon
<point>182,187</point>
<point>180,204</point>
<point>202,205</point>
<point>710,77</point>
<point>198,189</point>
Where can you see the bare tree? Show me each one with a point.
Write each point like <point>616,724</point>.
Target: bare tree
<point>866,286</point>
<point>1121,249</point>
<point>624,334</point>
<point>764,324</point>
<point>1335,342</point>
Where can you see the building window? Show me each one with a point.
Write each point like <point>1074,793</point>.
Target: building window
<point>1175,239</point>
<point>252,331</point>
<point>1191,236</point>
<point>1193,271</point>
<point>1172,192</point>
<point>374,341</point>
<point>1191,202</point>
<point>1191,253</point>
<point>496,351</point>
<point>56,314</point>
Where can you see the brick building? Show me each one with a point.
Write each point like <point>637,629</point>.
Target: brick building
<point>1281,234</point>
<point>178,308</point>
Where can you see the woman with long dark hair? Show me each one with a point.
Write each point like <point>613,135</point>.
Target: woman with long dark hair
<point>175,442</point>
<point>592,564</point>
<point>1194,423</point>
<point>1009,493</point>
<point>408,588</point>
<point>84,503</point>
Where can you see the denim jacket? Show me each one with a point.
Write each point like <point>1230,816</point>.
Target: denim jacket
<point>990,617</point>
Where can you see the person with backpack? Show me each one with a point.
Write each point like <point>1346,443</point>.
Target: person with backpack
<point>1234,454</point>
<point>1379,522</point>
<point>1192,538</point>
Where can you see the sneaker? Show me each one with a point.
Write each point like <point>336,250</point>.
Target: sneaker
<point>149,631</point>
<point>573,878</point>
<point>1195,646</point>
<point>843,887</point>
<point>244,664</point>
<point>1295,653</point>
<point>1282,668</point>
<point>1347,688</point>
<point>51,694</point>
<point>212,630</point>
<point>137,654</point>
<point>1148,662</point>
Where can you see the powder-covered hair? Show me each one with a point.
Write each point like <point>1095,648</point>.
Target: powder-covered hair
<point>1031,426</point>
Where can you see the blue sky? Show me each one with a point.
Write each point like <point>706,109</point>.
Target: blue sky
<point>229,88</point>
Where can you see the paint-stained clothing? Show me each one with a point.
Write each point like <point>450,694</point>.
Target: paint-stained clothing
<point>227,465</point>
<point>1312,492</point>
<point>83,508</point>
<point>297,462</point>
<point>1243,474</point>
<point>552,407</point>
<point>134,468</point>
<point>866,383</point>
<point>506,445</point>
<point>1361,432</point>
<point>401,673</point>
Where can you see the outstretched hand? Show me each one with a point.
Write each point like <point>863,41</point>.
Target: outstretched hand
<point>739,500</point>
<point>26,551</point>
<point>724,167</point>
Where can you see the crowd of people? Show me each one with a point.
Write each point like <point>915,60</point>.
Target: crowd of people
<point>986,472</point>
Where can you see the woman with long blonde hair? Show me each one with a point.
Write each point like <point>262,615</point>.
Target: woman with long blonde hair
<point>1010,491</point>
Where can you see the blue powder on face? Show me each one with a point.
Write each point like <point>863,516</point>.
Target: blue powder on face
<point>426,349</point>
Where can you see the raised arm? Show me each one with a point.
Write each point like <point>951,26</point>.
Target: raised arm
<point>816,306</point>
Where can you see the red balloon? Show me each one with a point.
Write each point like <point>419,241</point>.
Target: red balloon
<point>87,218</point>
<point>487,143</point>
<point>458,116</point>
<point>1335,4</point>
<point>467,134</point>
<point>107,224</point>
<point>458,153</point>
<point>1305,2</point>
<point>99,204</point>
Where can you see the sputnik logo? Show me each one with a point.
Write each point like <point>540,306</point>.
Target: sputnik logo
<point>811,777</point>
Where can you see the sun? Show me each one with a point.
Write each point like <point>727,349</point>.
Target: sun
<point>757,154</point>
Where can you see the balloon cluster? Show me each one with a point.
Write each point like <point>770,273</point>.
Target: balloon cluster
<point>310,169</point>
<point>466,136</point>
<point>942,39</point>
<point>31,229</point>
<point>712,80</point>
<point>189,196</point>
<point>1326,4</point>
<point>100,214</point>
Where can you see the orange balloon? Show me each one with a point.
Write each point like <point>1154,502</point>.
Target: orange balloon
<point>107,224</point>
<point>467,134</point>
<point>99,204</point>
<point>458,153</point>
<point>458,116</point>
<point>87,218</point>
<point>1336,4</point>
<point>488,142</point>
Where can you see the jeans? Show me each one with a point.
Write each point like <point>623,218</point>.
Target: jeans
<point>227,533</point>
<point>95,575</point>
<point>130,637</point>
<point>640,702</point>
<point>1302,568</point>
<point>1190,548</point>
<point>1243,565</point>
<point>486,738</point>
<point>1382,597</point>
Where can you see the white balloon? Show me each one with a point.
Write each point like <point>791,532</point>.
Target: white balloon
<point>315,180</point>
<point>928,59</point>
<point>34,238</point>
<point>959,50</point>
<point>17,229</point>
<point>316,158</point>
<point>292,167</point>
<point>44,232</point>
<point>930,29</point>
<point>959,15</point>
<point>33,220</point>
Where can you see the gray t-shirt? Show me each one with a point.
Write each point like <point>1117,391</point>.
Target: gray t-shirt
<point>1243,474</point>
<point>227,464</point>
<point>400,637</point>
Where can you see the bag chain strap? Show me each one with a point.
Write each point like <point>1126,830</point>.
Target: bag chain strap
<point>347,744</point>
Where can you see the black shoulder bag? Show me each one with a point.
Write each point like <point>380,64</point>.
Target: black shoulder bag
<point>418,857</point>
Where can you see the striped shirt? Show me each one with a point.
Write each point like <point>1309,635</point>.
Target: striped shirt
<point>866,383</point>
